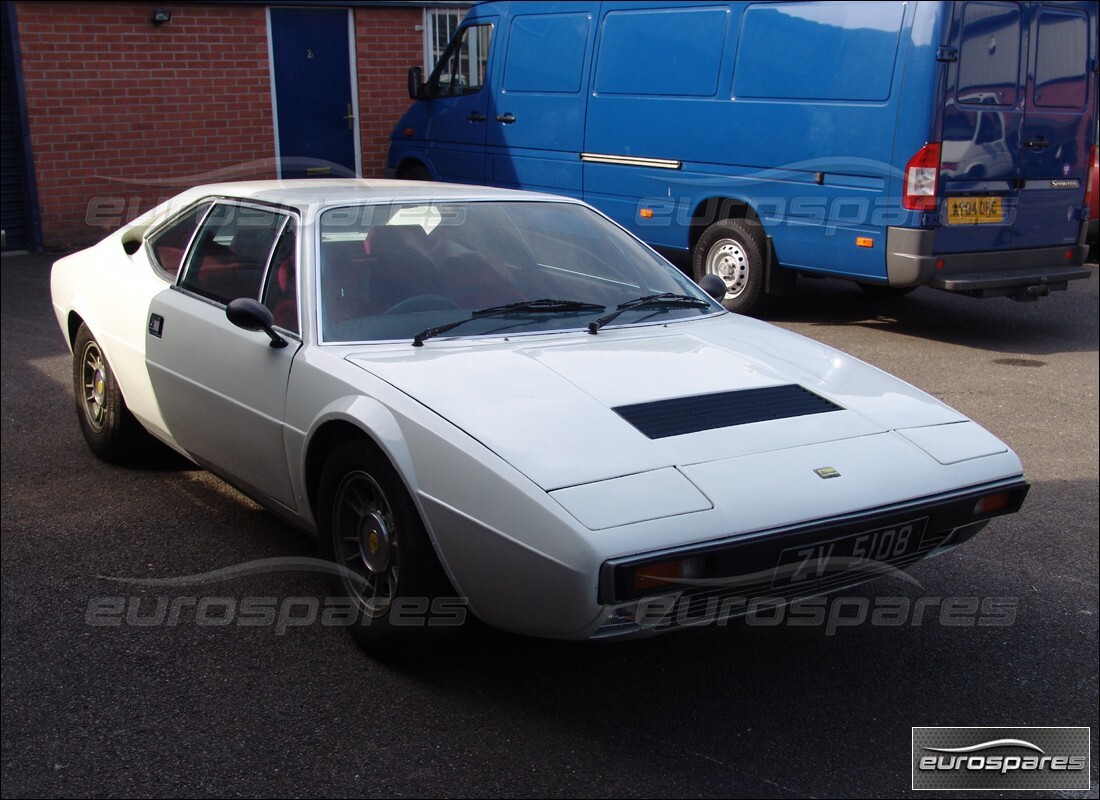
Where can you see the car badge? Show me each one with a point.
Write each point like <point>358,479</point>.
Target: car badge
<point>827,472</point>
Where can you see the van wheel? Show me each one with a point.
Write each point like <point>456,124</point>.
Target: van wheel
<point>733,249</point>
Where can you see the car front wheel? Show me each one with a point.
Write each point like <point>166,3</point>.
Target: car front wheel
<point>385,568</point>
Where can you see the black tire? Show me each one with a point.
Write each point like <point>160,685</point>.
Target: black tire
<point>388,575</point>
<point>886,292</point>
<point>109,428</point>
<point>417,172</point>
<point>734,250</point>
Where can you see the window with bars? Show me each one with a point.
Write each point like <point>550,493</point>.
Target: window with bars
<point>466,58</point>
<point>440,25</point>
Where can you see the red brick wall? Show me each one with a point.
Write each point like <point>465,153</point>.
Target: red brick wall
<point>387,44</point>
<point>123,114</point>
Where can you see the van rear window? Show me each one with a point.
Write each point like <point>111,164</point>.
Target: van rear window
<point>1061,79</point>
<point>818,51</point>
<point>989,56</point>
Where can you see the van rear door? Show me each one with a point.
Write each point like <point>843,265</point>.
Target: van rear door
<point>1014,153</point>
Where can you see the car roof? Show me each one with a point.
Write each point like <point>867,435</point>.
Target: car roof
<point>320,192</point>
<point>314,194</point>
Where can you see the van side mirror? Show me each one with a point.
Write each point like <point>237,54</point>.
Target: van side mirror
<point>416,84</point>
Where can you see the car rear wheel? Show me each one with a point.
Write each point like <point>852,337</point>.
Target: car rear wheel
<point>108,427</point>
<point>733,249</point>
<point>386,568</point>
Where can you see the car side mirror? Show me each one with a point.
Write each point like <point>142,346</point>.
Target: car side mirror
<point>713,286</point>
<point>246,313</point>
<point>416,84</point>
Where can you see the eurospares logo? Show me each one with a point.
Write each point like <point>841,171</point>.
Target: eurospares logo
<point>1001,758</point>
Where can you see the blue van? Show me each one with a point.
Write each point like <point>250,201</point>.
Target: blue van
<point>896,144</point>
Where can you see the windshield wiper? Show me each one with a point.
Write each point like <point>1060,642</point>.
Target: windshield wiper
<point>544,306</point>
<point>666,299</point>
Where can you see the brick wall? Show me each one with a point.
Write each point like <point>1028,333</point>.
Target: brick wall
<point>387,44</point>
<point>123,114</point>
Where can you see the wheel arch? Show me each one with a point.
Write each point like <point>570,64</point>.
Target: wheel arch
<point>72,327</point>
<point>412,163</point>
<point>714,209</point>
<point>365,420</point>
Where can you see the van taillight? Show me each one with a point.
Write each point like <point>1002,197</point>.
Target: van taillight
<point>922,175</point>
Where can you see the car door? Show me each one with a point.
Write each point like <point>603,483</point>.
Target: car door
<point>222,389</point>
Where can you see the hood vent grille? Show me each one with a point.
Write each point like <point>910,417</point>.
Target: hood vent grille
<point>705,412</point>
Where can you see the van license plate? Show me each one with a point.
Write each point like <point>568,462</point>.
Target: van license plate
<point>974,210</point>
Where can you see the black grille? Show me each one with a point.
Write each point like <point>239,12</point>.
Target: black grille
<point>706,412</point>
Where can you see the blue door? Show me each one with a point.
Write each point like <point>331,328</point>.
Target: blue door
<point>315,110</point>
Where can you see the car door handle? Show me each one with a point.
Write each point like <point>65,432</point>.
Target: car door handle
<point>475,116</point>
<point>507,119</point>
<point>1038,143</point>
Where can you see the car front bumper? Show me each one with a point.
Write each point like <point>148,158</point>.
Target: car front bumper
<point>731,577</point>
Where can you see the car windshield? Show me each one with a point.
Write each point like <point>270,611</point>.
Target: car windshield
<point>391,272</point>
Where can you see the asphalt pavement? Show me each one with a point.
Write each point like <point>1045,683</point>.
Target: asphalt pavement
<point>106,691</point>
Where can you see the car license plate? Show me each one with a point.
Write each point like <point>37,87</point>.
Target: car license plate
<point>974,210</point>
<point>869,551</point>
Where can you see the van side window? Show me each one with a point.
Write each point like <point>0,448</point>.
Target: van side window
<point>546,53</point>
<point>676,52</point>
<point>989,59</point>
<point>835,43</point>
<point>462,68</point>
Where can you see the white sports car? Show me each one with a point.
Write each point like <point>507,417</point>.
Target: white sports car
<point>502,402</point>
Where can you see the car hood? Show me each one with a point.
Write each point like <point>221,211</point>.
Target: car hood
<point>547,404</point>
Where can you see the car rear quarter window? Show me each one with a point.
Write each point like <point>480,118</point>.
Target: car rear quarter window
<point>169,245</point>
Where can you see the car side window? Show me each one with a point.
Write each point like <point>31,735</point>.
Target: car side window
<point>281,286</point>
<point>231,251</point>
<point>169,245</point>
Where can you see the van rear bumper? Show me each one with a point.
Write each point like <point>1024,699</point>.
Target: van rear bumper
<point>1024,274</point>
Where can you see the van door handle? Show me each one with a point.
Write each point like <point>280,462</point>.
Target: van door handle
<point>475,116</point>
<point>507,119</point>
<point>1038,143</point>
